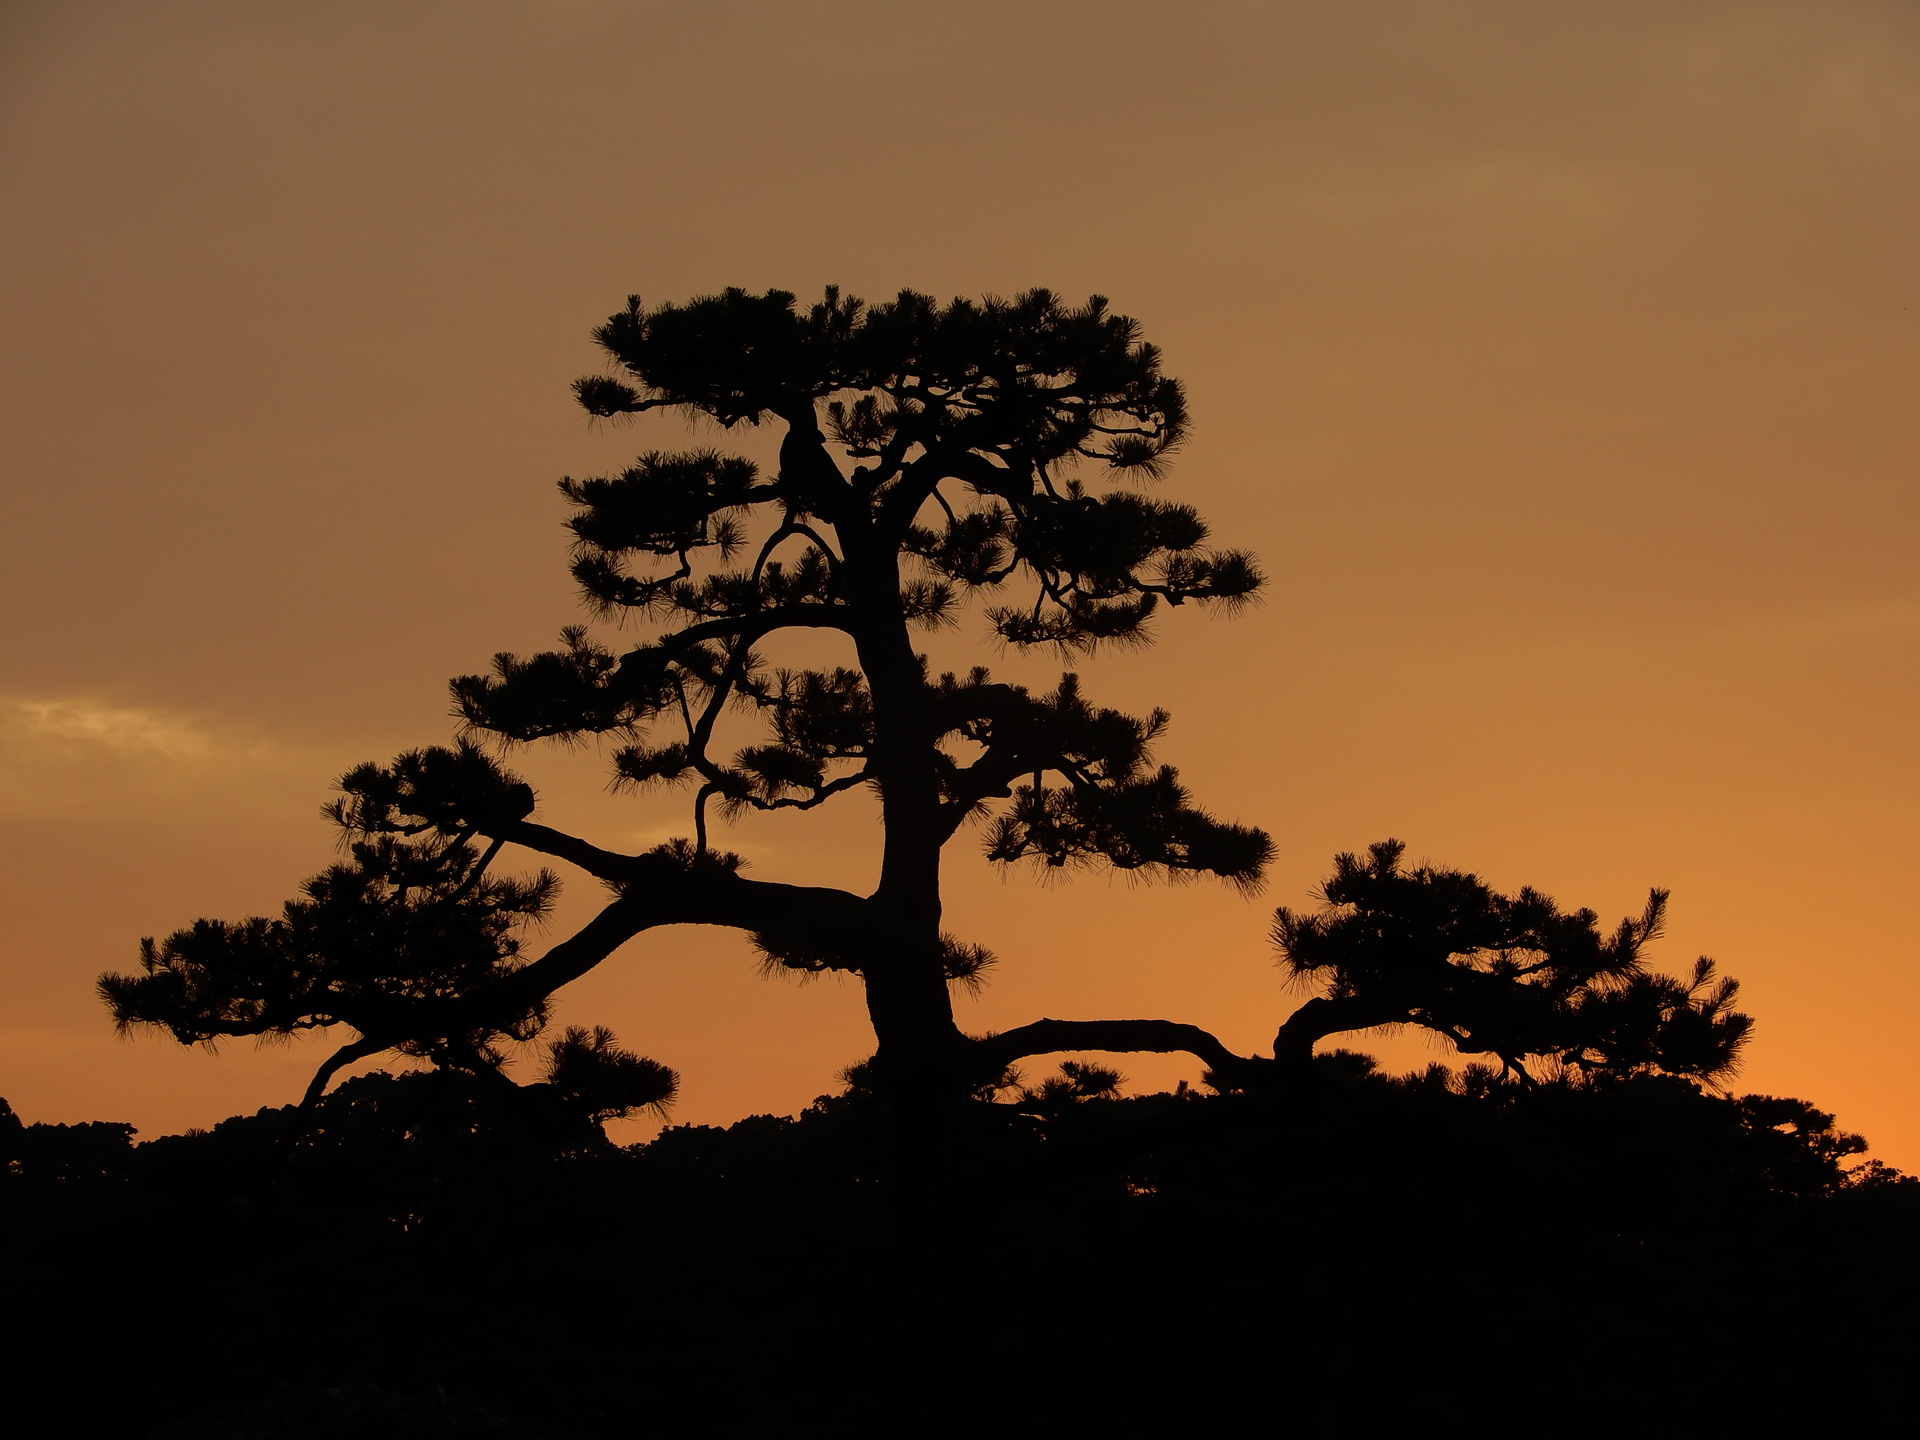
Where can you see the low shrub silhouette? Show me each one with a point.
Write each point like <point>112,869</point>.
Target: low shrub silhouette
<point>1427,1254</point>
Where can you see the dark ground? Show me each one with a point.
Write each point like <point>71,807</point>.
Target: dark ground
<point>1393,1259</point>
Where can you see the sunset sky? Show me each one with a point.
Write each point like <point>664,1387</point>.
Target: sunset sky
<point>1560,362</point>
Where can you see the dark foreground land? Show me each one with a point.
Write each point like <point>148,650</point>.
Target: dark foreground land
<point>1395,1258</point>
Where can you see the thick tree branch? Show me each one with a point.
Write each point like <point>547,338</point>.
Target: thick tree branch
<point>761,623</point>
<point>989,777</point>
<point>1321,1017</point>
<point>660,891</point>
<point>808,474</point>
<point>922,478</point>
<point>1049,1037</point>
<point>608,865</point>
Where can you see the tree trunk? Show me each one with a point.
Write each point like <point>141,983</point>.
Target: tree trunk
<point>920,1056</point>
<point>920,1051</point>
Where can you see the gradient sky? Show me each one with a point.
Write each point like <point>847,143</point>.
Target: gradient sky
<point>1559,361</point>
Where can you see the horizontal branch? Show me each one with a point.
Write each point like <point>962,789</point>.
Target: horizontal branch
<point>1164,1037</point>
<point>758,624</point>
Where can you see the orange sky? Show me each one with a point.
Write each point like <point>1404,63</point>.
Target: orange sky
<point>1558,361</point>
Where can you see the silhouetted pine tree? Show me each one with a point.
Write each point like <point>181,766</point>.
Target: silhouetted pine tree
<point>930,454</point>
<point>925,459</point>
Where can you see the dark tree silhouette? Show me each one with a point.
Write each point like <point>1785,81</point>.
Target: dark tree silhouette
<point>929,454</point>
<point>404,925</point>
<point>925,457</point>
<point>1510,976</point>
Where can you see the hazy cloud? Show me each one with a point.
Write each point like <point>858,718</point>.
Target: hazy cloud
<point>75,757</point>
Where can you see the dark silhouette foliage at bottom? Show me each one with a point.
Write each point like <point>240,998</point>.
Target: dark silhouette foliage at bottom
<point>1396,1257</point>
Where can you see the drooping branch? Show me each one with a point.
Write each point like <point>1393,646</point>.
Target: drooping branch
<point>302,1117</point>
<point>1321,1017</point>
<point>355,1050</point>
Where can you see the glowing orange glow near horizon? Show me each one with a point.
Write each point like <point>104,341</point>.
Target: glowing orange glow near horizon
<point>1558,362</point>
